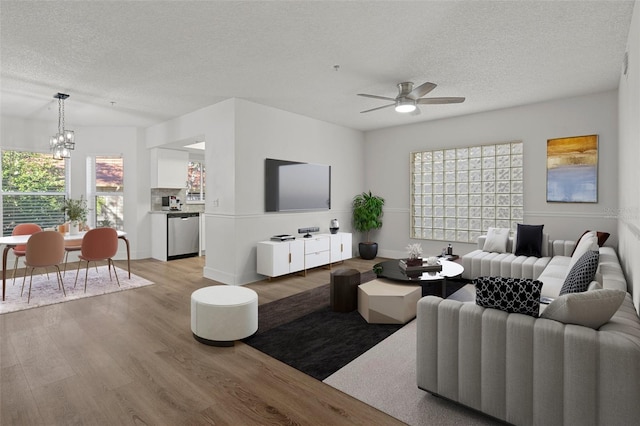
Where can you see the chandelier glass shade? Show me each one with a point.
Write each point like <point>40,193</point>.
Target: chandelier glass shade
<point>63,142</point>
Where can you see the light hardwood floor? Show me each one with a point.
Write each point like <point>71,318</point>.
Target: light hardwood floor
<point>130,358</point>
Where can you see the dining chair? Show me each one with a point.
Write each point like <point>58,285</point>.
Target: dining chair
<point>18,251</point>
<point>71,246</point>
<point>44,249</point>
<point>98,244</point>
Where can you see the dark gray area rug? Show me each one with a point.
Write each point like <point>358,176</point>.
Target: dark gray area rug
<point>322,342</point>
<point>303,332</point>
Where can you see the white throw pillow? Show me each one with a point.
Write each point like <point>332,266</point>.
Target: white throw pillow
<point>588,242</point>
<point>496,241</point>
<point>590,308</point>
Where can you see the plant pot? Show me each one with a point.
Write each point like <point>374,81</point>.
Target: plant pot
<point>74,228</point>
<point>368,251</point>
<point>416,261</point>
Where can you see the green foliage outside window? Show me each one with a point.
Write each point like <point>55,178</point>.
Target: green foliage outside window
<point>33,187</point>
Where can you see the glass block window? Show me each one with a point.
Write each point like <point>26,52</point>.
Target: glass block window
<point>458,193</point>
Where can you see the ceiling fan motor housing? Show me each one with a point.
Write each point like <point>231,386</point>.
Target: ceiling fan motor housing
<point>404,88</point>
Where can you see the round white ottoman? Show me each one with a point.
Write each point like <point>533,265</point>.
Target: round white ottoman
<point>222,314</point>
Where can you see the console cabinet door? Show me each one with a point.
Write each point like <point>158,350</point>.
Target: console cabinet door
<point>280,258</point>
<point>340,247</point>
<point>296,261</point>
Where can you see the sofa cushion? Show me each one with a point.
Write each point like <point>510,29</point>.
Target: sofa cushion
<point>602,237</point>
<point>513,295</point>
<point>588,242</point>
<point>496,240</point>
<point>581,273</point>
<point>554,275</point>
<point>590,309</point>
<point>529,240</point>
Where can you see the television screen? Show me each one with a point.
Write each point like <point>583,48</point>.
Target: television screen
<point>292,186</point>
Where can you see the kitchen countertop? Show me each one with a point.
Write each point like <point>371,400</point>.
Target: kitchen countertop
<point>171,211</point>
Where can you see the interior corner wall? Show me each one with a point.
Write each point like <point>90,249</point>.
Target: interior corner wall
<point>239,136</point>
<point>264,132</point>
<point>628,212</point>
<point>387,156</point>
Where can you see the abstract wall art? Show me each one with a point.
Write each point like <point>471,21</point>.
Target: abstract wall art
<point>572,169</point>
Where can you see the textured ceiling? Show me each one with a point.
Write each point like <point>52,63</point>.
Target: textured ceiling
<point>158,60</point>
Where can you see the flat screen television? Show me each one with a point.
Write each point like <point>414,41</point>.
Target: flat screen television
<point>295,186</point>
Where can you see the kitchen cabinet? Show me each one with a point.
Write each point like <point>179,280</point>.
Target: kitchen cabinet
<point>175,235</point>
<point>203,246</point>
<point>340,247</point>
<point>159,236</point>
<point>169,168</point>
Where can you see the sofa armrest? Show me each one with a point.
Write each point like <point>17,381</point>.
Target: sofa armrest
<point>481,240</point>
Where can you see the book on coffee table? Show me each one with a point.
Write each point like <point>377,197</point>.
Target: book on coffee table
<point>419,268</point>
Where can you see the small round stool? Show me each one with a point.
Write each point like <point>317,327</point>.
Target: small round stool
<point>222,314</point>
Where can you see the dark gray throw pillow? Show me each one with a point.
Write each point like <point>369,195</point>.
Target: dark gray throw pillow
<point>581,274</point>
<point>529,240</point>
<point>513,295</point>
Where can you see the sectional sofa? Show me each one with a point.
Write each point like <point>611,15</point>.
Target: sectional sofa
<point>577,365</point>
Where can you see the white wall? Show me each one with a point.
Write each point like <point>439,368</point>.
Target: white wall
<point>126,141</point>
<point>387,159</point>
<point>239,136</point>
<point>629,160</point>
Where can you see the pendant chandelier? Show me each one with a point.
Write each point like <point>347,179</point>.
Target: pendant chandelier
<point>63,142</point>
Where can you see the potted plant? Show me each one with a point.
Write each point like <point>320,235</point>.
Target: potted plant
<point>76,211</point>
<point>367,214</point>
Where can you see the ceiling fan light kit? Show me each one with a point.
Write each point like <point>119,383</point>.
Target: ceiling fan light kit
<point>408,98</point>
<point>405,105</point>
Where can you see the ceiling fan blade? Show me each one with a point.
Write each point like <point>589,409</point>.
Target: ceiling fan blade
<point>376,97</point>
<point>374,109</point>
<point>422,90</point>
<point>425,101</point>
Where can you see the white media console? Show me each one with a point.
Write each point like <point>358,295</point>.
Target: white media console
<point>277,258</point>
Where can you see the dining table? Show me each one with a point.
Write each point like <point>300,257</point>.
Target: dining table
<point>12,241</point>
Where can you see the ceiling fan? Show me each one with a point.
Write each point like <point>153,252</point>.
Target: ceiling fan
<point>409,98</point>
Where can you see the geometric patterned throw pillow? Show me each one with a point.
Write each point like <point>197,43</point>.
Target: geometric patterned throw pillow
<point>513,295</point>
<point>581,274</point>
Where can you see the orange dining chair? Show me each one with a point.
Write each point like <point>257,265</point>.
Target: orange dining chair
<point>98,244</point>
<point>18,251</point>
<point>73,245</point>
<point>44,249</point>
<point>69,246</point>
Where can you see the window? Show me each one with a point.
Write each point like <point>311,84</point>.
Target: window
<point>33,188</point>
<point>108,192</point>
<point>195,181</point>
<point>458,193</point>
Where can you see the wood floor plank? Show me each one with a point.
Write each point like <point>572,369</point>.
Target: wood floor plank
<point>130,358</point>
<point>42,362</point>
<point>18,404</point>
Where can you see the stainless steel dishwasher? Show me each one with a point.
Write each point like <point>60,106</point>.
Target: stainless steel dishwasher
<point>183,235</point>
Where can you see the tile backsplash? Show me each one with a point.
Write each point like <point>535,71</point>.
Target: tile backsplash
<point>180,194</point>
